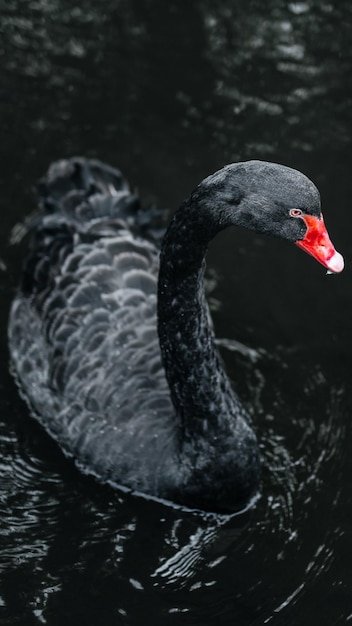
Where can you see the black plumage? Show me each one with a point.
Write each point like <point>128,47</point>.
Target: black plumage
<point>83,329</point>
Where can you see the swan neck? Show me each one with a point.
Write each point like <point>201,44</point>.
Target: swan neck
<point>200,389</point>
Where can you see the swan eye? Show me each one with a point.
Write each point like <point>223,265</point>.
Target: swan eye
<point>295,212</point>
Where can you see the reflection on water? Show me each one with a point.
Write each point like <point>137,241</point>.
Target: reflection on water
<point>169,93</point>
<point>280,73</point>
<point>66,537</point>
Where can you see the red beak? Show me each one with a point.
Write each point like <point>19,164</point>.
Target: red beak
<point>317,243</point>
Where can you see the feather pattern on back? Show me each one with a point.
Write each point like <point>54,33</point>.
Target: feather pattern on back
<point>83,332</point>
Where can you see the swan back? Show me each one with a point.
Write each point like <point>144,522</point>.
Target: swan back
<point>82,328</point>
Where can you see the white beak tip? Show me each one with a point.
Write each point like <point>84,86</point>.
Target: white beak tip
<point>336,263</point>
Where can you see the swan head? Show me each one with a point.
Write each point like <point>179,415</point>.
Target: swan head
<point>274,200</point>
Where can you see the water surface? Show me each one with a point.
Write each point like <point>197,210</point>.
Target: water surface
<point>170,92</point>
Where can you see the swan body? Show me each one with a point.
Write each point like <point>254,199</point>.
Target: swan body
<point>141,403</point>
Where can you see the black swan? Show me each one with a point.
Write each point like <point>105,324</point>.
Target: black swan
<point>144,404</point>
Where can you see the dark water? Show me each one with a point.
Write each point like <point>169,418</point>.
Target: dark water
<point>169,92</point>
